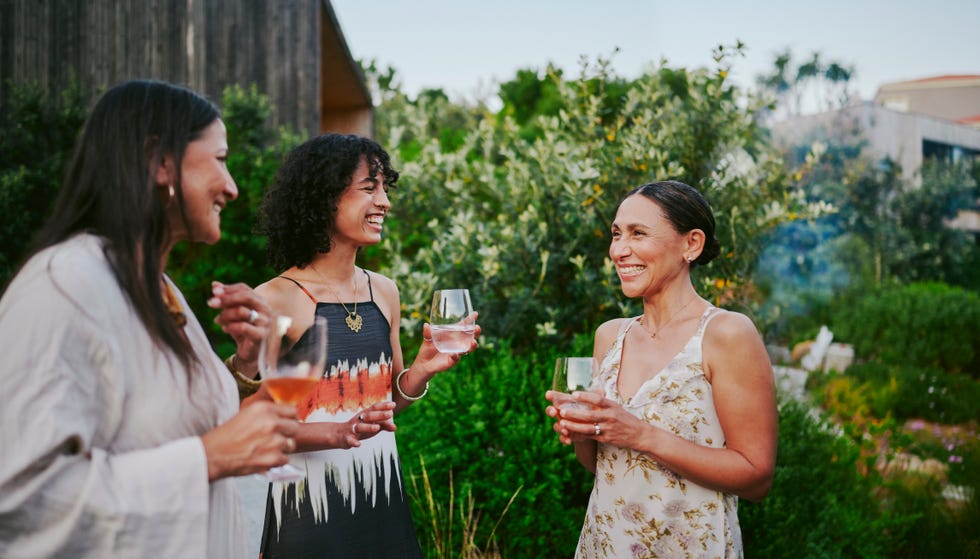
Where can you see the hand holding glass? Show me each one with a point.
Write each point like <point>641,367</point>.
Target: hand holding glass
<point>291,372</point>
<point>450,322</point>
<point>571,374</point>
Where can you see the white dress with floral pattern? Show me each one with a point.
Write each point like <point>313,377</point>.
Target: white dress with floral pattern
<point>638,508</point>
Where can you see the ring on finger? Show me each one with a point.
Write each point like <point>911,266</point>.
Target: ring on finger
<point>353,428</point>
<point>290,445</point>
<point>253,315</point>
<point>598,430</point>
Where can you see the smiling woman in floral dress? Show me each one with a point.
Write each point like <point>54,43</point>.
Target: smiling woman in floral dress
<point>683,419</point>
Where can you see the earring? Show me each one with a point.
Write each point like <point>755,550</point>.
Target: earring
<point>170,192</point>
<point>688,258</point>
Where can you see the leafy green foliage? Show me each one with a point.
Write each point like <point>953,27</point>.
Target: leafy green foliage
<point>483,427</point>
<point>37,136</point>
<point>522,222</point>
<point>923,324</point>
<point>819,504</point>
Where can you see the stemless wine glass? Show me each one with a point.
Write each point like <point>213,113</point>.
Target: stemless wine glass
<point>450,323</point>
<point>571,374</point>
<point>291,372</point>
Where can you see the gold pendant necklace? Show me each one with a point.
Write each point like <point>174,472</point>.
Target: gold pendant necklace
<point>354,321</point>
<point>653,335</point>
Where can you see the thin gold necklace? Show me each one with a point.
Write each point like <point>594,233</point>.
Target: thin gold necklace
<point>653,335</point>
<point>354,321</point>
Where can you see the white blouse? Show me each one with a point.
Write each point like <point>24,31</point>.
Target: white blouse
<point>100,449</point>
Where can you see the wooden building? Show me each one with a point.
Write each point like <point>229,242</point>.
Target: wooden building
<point>292,50</point>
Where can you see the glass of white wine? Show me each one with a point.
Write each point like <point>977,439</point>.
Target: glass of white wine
<point>291,372</point>
<point>572,374</point>
<point>450,320</point>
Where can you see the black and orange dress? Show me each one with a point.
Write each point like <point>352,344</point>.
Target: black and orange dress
<point>353,502</point>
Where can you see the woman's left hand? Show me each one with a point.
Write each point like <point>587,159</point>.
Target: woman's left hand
<point>244,316</point>
<point>601,419</point>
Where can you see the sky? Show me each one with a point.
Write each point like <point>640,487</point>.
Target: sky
<point>466,47</point>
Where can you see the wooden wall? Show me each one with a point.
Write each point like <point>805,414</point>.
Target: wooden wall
<point>204,44</point>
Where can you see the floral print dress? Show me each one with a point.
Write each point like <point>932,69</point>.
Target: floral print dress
<point>638,508</point>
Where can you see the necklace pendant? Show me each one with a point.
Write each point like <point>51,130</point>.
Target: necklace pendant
<point>354,322</point>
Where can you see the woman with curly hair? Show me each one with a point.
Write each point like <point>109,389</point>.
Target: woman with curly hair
<point>330,198</point>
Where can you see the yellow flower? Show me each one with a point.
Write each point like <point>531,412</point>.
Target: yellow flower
<point>611,136</point>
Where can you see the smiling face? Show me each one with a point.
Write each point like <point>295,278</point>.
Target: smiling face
<point>362,208</point>
<point>207,187</point>
<point>648,252</point>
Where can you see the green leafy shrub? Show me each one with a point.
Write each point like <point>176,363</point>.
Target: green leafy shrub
<point>483,427</point>
<point>922,324</point>
<point>37,135</point>
<point>522,219</point>
<point>819,504</point>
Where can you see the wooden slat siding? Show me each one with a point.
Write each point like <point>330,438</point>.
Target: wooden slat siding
<point>205,44</point>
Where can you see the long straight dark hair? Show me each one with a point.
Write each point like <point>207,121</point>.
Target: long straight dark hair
<point>110,190</point>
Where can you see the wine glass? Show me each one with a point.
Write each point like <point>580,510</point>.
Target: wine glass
<point>291,371</point>
<point>450,323</point>
<point>572,374</point>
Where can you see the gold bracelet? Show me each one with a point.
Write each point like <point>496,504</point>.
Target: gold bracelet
<point>398,386</point>
<point>246,386</point>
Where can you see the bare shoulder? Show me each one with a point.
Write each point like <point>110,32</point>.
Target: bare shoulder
<point>383,285</point>
<point>730,327</point>
<point>606,334</point>
<point>285,297</point>
<point>732,344</point>
<point>385,295</point>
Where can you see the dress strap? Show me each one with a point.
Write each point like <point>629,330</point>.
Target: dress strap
<point>298,284</point>
<point>706,317</point>
<point>370,290</point>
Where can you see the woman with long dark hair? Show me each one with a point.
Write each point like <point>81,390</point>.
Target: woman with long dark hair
<point>120,426</point>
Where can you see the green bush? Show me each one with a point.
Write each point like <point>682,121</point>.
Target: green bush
<point>37,135</point>
<point>483,428</point>
<point>928,325</point>
<point>523,220</point>
<point>819,505</point>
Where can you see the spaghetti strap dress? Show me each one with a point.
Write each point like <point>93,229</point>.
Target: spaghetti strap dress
<point>353,502</point>
<point>637,507</point>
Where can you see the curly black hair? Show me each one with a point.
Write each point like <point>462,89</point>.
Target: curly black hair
<point>297,214</point>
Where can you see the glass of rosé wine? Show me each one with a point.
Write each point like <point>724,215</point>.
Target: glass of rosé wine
<point>451,321</point>
<point>290,372</point>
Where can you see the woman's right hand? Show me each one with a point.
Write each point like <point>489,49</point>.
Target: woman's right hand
<point>258,437</point>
